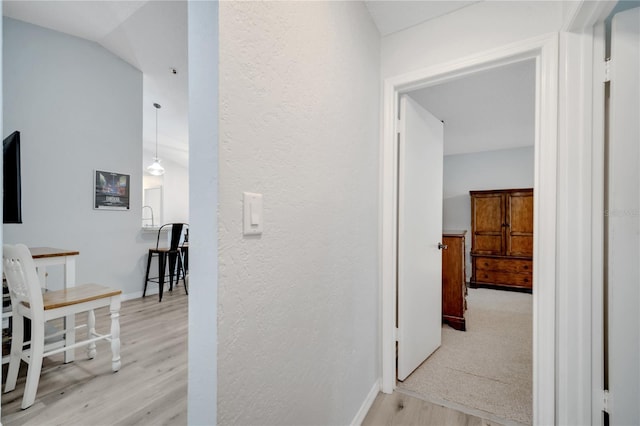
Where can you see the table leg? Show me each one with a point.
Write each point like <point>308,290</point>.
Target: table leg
<point>70,320</point>
<point>114,309</point>
<point>42,276</point>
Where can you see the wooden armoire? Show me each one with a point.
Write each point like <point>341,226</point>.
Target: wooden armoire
<point>502,239</point>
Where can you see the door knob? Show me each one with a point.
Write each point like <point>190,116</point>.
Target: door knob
<point>442,246</point>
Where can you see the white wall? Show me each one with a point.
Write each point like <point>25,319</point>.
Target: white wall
<point>481,26</point>
<point>203,242</point>
<point>503,169</point>
<point>299,119</point>
<point>175,188</point>
<point>78,108</point>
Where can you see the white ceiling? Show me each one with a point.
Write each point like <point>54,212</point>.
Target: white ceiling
<point>486,111</point>
<point>483,112</point>
<point>150,35</point>
<point>392,16</point>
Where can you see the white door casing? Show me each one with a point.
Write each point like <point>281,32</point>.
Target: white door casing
<point>544,50</point>
<point>420,177</point>
<point>623,217</point>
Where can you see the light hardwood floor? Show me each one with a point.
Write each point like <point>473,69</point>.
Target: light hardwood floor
<point>402,409</point>
<point>149,389</point>
<point>151,386</point>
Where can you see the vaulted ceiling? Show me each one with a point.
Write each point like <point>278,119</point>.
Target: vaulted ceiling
<point>152,36</point>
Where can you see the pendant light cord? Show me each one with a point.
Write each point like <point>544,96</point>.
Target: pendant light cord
<point>157,108</point>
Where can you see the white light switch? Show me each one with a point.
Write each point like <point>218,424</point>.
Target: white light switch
<point>252,213</point>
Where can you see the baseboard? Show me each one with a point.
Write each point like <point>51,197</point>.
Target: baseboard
<point>138,294</point>
<point>366,404</point>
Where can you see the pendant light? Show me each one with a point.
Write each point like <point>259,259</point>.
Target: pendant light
<point>156,169</point>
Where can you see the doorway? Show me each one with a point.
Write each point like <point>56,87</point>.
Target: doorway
<point>488,146</point>
<point>544,52</point>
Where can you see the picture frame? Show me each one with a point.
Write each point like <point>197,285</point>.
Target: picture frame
<point>111,190</point>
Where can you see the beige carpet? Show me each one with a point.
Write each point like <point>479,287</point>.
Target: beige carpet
<point>488,367</point>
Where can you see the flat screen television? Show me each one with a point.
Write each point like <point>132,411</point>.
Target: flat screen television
<point>12,188</point>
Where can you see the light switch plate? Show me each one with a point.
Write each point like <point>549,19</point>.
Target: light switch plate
<point>252,218</point>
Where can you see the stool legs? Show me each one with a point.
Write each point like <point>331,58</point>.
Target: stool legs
<point>146,277</point>
<point>174,263</point>
<point>162,259</point>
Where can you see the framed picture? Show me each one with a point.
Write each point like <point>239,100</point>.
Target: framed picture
<point>111,190</point>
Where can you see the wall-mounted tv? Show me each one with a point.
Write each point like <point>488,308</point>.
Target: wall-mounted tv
<point>12,188</point>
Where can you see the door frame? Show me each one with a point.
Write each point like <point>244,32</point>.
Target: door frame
<point>544,50</point>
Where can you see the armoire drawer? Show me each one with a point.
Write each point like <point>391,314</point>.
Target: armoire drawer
<point>503,265</point>
<point>514,279</point>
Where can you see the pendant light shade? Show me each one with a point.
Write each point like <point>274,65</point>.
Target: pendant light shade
<point>155,168</point>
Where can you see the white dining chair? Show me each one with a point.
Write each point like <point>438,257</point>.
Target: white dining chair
<point>28,301</point>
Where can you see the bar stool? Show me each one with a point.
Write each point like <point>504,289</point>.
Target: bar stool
<point>167,256</point>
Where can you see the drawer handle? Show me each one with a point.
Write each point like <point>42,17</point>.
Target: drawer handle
<point>486,276</point>
<point>486,264</point>
<point>526,266</point>
<point>526,280</point>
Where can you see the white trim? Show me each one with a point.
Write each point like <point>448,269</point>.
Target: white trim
<point>544,49</point>
<point>574,236</point>
<point>366,404</point>
<point>138,294</point>
<point>597,227</point>
<point>203,47</point>
<point>585,14</point>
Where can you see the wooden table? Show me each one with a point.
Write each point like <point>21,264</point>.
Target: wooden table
<point>49,256</point>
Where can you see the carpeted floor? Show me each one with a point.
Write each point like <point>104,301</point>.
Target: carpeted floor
<point>488,367</point>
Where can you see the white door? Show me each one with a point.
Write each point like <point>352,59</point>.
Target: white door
<point>623,260</point>
<point>419,233</point>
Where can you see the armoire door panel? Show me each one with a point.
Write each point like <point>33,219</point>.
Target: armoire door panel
<point>520,213</point>
<point>520,245</point>
<point>520,223</point>
<point>488,243</point>
<point>488,214</point>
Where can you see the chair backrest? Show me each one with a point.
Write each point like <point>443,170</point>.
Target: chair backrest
<point>176,234</point>
<point>22,278</point>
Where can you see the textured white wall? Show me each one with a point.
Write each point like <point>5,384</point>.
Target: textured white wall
<point>299,120</point>
<point>506,168</point>
<point>482,26</point>
<point>79,109</point>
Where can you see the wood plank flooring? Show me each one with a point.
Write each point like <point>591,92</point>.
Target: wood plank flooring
<point>150,388</point>
<point>401,409</point>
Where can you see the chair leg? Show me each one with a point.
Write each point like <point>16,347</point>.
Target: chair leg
<point>91,331</point>
<point>114,308</point>
<point>17,340</point>
<point>172,268</point>
<point>184,274</point>
<point>161,267</point>
<point>146,277</point>
<point>35,364</point>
